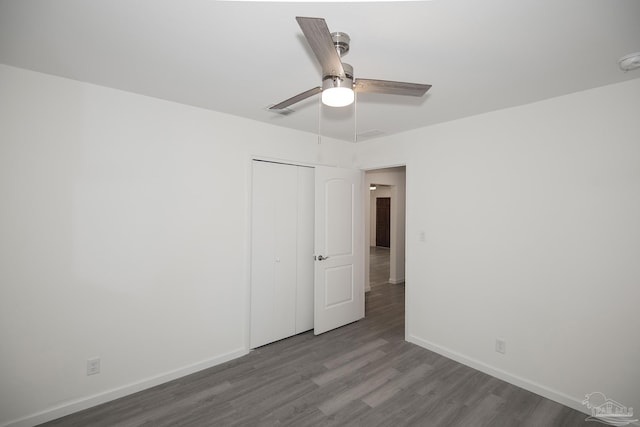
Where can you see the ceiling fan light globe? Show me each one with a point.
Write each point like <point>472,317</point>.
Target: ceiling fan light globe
<point>338,96</point>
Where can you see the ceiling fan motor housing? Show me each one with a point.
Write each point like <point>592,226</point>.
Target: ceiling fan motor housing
<point>330,81</point>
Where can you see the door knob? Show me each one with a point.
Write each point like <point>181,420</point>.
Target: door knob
<point>322,258</point>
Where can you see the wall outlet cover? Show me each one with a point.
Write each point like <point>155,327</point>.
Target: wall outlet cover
<point>93,366</point>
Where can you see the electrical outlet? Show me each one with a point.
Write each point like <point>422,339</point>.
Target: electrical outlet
<point>501,346</point>
<point>422,236</point>
<point>93,366</point>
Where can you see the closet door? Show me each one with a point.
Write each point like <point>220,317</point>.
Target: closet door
<point>274,252</point>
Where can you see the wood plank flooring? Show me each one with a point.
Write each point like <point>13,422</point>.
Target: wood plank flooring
<point>363,374</point>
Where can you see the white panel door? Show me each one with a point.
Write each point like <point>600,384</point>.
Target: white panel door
<point>339,248</point>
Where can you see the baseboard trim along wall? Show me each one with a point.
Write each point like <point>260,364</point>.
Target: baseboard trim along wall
<point>531,386</point>
<point>116,393</point>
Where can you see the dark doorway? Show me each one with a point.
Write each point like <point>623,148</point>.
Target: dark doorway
<point>383,222</point>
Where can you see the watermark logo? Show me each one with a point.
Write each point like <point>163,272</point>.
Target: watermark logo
<point>608,411</point>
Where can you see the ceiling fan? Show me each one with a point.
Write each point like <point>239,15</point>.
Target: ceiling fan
<point>338,83</point>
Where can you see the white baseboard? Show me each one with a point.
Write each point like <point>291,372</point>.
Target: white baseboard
<point>524,383</point>
<point>118,392</point>
<point>395,281</point>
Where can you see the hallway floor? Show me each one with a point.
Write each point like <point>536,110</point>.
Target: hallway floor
<point>379,264</point>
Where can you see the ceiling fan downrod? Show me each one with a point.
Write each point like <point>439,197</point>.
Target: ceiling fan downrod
<point>341,42</point>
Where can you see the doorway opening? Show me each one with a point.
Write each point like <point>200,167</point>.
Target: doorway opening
<point>383,222</point>
<point>380,230</point>
<point>385,257</point>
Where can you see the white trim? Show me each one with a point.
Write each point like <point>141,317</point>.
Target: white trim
<point>76,405</point>
<point>524,383</point>
<point>396,281</point>
<point>384,166</point>
<point>257,158</point>
<point>322,1</point>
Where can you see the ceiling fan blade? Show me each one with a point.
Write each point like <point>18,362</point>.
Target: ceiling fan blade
<point>390,87</point>
<point>319,38</point>
<point>299,97</point>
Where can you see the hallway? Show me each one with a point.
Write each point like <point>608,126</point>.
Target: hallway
<point>379,264</point>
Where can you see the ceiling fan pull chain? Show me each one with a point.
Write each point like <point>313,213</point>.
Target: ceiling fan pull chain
<point>319,119</point>
<point>355,117</point>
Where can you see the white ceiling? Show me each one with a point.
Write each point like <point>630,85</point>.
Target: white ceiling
<point>241,57</point>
